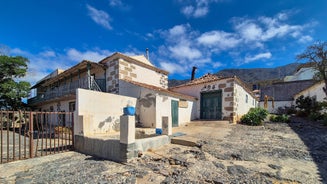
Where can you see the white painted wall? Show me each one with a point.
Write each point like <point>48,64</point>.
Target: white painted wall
<point>163,108</point>
<point>186,115</point>
<point>243,101</point>
<point>302,74</point>
<point>147,76</point>
<point>277,104</point>
<point>195,91</point>
<point>240,107</point>
<point>152,106</point>
<point>313,91</point>
<point>145,105</point>
<point>99,113</point>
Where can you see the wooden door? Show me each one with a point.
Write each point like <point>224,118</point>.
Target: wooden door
<point>211,105</point>
<point>174,113</point>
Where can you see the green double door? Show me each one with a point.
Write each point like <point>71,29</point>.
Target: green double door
<point>174,113</point>
<point>211,105</point>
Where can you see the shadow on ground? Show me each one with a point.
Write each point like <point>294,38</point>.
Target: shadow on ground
<point>314,136</point>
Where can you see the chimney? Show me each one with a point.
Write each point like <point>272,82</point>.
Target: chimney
<point>193,73</point>
<point>147,54</point>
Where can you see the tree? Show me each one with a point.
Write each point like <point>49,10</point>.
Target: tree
<point>11,91</point>
<point>317,54</point>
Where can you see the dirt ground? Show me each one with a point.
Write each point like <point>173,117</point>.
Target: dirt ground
<point>273,153</point>
<point>227,153</point>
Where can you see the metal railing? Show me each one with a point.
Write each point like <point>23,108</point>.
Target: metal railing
<point>25,134</point>
<point>69,89</point>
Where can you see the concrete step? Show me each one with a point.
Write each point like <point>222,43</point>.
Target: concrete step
<point>185,141</point>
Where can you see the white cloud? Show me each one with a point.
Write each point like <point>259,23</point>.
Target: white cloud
<point>115,3</point>
<point>91,55</point>
<point>48,53</point>
<point>198,8</point>
<point>263,29</point>
<point>217,64</point>
<point>172,67</point>
<point>119,4</point>
<point>177,30</point>
<point>184,51</point>
<point>100,17</point>
<point>250,40</point>
<point>249,31</point>
<point>219,39</point>
<point>42,63</point>
<point>187,10</point>
<point>305,39</point>
<point>201,11</point>
<point>179,43</point>
<point>266,55</point>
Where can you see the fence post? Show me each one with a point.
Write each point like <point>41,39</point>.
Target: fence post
<point>73,135</point>
<point>31,134</point>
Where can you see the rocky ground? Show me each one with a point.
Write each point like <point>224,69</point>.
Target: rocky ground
<point>273,153</point>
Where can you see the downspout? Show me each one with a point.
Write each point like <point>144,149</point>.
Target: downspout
<point>71,82</point>
<point>79,78</point>
<point>105,80</point>
<point>88,66</point>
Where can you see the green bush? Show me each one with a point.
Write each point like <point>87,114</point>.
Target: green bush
<point>286,110</point>
<point>324,120</point>
<point>254,117</point>
<point>309,105</point>
<point>315,116</point>
<point>280,118</point>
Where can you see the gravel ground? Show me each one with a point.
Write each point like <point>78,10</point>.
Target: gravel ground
<point>41,146</point>
<point>273,153</point>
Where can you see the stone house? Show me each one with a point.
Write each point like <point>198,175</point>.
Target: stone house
<point>98,92</point>
<point>125,76</point>
<point>316,91</point>
<point>305,71</point>
<point>57,91</point>
<point>219,98</point>
<point>283,93</point>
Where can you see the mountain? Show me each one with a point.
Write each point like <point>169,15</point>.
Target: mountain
<point>252,75</point>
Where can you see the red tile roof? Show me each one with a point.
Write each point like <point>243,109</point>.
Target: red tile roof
<point>118,55</point>
<point>204,79</point>
<point>162,90</point>
<point>212,78</point>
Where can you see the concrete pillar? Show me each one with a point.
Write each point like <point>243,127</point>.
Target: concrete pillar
<point>166,126</point>
<point>127,129</point>
<point>127,137</point>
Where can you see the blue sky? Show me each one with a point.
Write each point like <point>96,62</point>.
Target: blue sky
<point>209,34</point>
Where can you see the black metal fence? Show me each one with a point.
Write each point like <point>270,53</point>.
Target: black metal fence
<point>25,134</point>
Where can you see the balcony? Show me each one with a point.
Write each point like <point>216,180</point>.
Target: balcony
<point>69,89</point>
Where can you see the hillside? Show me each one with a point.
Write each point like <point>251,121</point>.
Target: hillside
<point>252,75</point>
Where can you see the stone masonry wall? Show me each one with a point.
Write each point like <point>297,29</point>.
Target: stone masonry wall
<point>112,77</point>
<point>126,70</point>
<point>227,87</point>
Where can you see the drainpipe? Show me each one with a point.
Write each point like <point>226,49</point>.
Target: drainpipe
<point>79,78</point>
<point>88,75</point>
<point>105,80</point>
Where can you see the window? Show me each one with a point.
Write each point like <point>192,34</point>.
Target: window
<point>246,98</point>
<point>71,106</point>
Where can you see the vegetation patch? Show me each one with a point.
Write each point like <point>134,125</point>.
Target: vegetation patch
<point>280,118</point>
<point>255,116</point>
